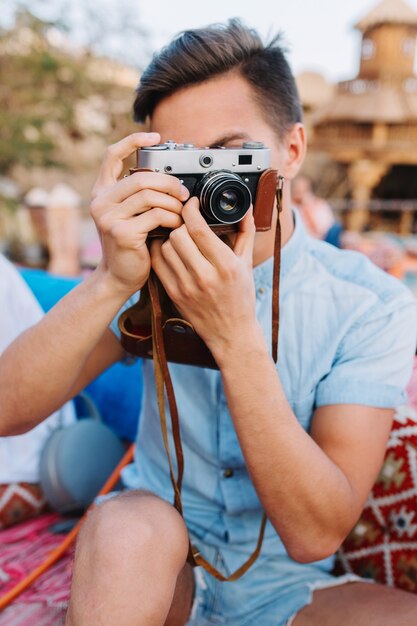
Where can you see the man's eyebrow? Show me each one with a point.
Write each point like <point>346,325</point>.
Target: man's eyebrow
<point>228,138</point>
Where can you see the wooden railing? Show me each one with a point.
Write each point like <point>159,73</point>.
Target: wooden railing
<point>346,133</point>
<point>340,205</point>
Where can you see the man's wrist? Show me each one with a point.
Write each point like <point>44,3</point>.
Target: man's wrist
<point>106,287</point>
<point>114,289</point>
<point>246,343</point>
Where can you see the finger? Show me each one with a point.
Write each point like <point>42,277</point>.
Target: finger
<point>245,238</point>
<point>215,250</point>
<point>112,165</point>
<point>144,223</point>
<point>163,271</point>
<point>190,255</point>
<point>144,201</point>
<point>147,180</point>
<point>172,259</point>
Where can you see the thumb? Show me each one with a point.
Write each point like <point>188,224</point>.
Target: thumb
<point>112,165</point>
<point>245,238</point>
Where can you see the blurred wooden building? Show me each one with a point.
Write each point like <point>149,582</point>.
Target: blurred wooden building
<point>370,122</point>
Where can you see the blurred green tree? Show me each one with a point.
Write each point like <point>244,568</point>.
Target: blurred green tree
<point>34,90</point>
<point>44,78</point>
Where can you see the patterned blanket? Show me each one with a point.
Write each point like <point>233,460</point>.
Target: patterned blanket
<point>22,548</point>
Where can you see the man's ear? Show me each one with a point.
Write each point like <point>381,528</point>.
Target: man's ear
<point>296,145</point>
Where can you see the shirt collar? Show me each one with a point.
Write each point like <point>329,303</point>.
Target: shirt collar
<point>290,253</point>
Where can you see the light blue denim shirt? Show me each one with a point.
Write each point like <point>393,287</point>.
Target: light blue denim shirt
<point>347,335</point>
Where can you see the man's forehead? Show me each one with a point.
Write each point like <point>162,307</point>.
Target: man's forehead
<point>205,137</point>
<point>202,128</point>
<point>219,111</point>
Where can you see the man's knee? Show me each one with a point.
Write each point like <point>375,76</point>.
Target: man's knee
<point>135,523</point>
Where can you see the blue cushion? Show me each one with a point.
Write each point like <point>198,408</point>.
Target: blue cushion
<point>333,235</point>
<point>48,289</point>
<point>118,391</point>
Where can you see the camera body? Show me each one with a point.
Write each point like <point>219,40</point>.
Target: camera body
<point>227,181</point>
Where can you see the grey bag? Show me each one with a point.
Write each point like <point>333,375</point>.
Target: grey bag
<point>76,461</point>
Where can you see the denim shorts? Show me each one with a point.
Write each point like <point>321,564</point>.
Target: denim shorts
<point>271,592</point>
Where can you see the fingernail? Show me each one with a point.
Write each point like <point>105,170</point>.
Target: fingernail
<point>184,192</point>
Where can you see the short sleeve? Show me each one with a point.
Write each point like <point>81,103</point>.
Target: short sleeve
<point>374,361</point>
<point>114,326</point>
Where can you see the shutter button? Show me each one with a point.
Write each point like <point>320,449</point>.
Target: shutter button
<point>228,473</point>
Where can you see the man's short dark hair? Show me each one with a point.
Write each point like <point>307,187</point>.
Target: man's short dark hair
<point>195,56</point>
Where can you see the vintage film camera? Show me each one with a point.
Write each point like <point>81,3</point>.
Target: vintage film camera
<point>227,181</point>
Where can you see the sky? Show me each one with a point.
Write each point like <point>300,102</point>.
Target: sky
<point>319,34</point>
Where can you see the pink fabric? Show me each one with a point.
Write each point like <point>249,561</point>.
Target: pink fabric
<point>22,549</point>
<point>412,387</point>
<point>32,615</point>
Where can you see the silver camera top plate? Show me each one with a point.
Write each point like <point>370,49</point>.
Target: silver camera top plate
<point>178,159</point>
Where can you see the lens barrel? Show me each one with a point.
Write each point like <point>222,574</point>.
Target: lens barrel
<point>224,197</point>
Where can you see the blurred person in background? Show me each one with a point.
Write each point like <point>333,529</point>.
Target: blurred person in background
<point>302,440</point>
<point>56,223</point>
<point>35,202</point>
<point>316,213</point>
<point>320,222</point>
<point>63,217</point>
<point>21,496</point>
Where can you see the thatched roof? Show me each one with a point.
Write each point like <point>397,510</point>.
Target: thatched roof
<point>385,103</point>
<point>314,89</point>
<point>388,12</point>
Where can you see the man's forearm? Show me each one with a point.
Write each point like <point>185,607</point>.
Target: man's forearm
<point>306,496</point>
<point>39,370</point>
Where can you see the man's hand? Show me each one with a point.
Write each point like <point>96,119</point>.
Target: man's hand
<point>126,210</point>
<point>211,284</point>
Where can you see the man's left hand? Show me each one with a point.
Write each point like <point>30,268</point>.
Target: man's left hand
<point>210,283</point>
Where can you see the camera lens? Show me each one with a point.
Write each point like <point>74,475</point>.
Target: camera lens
<point>228,200</point>
<point>224,197</point>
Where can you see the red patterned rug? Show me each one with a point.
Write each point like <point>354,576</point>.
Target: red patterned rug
<point>383,544</point>
<point>22,549</point>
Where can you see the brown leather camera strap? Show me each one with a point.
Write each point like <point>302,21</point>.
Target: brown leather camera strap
<point>196,558</point>
<point>163,382</point>
<point>276,271</point>
<point>164,385</point>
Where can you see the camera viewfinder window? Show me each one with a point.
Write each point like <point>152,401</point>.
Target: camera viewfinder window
<point>245,159</point>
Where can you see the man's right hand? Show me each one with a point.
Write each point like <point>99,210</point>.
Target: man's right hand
<point>126,210</point>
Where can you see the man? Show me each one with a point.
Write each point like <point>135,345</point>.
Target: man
<point>303,440</point>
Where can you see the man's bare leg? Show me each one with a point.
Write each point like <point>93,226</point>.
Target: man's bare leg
<point>180,610</point>
<point>130,555</point>
<point>359,604</point>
